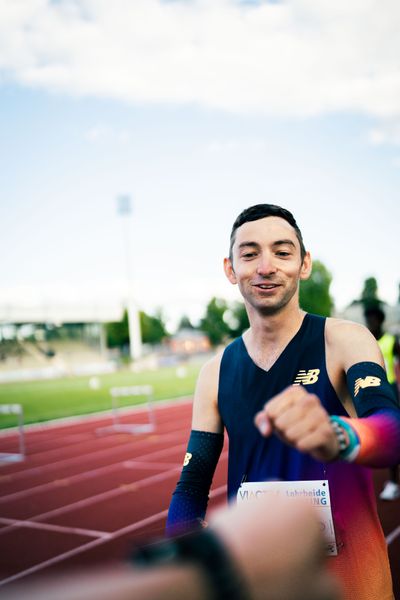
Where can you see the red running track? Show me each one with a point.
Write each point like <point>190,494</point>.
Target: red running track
<point>84,495</point>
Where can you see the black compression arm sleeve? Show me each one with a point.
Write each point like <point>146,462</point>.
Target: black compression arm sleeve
<point>190,498</point>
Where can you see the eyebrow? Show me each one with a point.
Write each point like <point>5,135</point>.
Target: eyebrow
<point>277,243</point>
<point>284,242</point>
<point>249,245</point>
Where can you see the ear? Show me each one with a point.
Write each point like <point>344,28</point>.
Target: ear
<point>229,272</point>
<point>306,267</point>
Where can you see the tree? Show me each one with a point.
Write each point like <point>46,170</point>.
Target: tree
<point>185,323</point>
<point>237,319</point>
<point>213,323</point>
<point>369,295</point>
<point>117,333</point>
<point>314,292</point>
<point>152,328</point>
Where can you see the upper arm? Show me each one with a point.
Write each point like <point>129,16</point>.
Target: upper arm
<point>349,343</point>
<point>206,415</point>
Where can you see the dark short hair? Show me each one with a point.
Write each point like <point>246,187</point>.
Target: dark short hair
<point>260,211</point>
<point>374,311</point>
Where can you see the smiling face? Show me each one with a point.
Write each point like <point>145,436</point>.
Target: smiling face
<point>266,264</point>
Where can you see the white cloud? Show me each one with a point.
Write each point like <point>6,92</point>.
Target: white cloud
<point>105,133</point>
<point>396,162</point>
<point>297,58</point>
<point>388,132</point>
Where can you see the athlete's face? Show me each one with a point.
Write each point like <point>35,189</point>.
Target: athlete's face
<point>266,264</point>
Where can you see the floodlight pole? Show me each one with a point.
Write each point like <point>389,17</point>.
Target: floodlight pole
<point>135,337</point>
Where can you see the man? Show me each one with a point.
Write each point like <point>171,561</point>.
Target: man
<point>390,348</point>
<point>303,381</point>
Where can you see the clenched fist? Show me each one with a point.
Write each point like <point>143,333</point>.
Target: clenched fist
<point>301,421</point>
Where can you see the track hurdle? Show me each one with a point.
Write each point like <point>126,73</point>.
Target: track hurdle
<point>126,392</point>
<point>12,457</point>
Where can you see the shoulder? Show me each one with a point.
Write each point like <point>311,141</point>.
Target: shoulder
<point>205,403</point>
<point>351,342</point>
<point>211,367</point>
<point>337,329</point>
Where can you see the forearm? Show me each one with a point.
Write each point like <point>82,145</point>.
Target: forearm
<point>378,425</point>
<point>379,438</point>
<point>122,582</point>
<point>176,582</point>
<point>190,498</point>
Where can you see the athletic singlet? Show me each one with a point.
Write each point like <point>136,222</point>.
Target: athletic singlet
<point>362,563</point>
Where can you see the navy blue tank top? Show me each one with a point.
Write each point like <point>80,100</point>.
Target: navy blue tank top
<point>244,388</point>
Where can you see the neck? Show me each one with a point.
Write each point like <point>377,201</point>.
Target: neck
<point>269,335</point>
<point>272,327</point>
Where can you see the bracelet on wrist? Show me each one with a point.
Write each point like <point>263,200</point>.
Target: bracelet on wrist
<point>203,548</point>
<point>349,443</point>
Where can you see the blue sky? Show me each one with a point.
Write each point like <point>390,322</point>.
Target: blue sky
<point>196,110</point>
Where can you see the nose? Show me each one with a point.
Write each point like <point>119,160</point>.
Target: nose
<point>266,265</point>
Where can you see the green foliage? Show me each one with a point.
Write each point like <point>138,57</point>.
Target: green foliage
<point>117,333</point>
<point>369,294</point>
<point>213,323</point>
<point>237,319</point>
<point>185,323</point>
<point>152,330</point>
<point>315,296</point>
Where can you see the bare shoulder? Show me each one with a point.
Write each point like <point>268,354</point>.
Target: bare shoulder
<point>351,342</point>
<point>205,404</point>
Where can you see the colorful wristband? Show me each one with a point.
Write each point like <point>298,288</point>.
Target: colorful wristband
<point>347,451</point>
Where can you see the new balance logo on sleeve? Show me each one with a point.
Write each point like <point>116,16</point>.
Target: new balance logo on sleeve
<point>368,381</point>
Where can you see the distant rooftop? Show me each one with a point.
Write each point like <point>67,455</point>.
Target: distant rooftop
<point>58,314</point>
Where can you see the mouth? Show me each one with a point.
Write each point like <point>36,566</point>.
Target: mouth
<point>266,286</point>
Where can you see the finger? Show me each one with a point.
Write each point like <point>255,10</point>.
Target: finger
<point>321,444</point>
<point>292,396</point>
<point>296,431</point>
<point>283,401</point>
<point>263,423</point>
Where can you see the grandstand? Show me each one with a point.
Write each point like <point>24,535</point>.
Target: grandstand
<point>36,344</point>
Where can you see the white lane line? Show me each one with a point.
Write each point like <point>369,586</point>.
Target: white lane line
<point>39,446</point>
<point>113,493</point>
<point>392,536</point>
<point>93,473</point>
<point>57,528</point>
<point>96,455</point>
<point>125,530</point>
<point>93,437</point>
<point>99,416</point>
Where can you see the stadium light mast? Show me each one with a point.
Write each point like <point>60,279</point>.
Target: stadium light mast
<point>135,337</point>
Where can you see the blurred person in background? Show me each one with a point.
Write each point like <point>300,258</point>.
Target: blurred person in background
<point>290,393</point>
<point>273,552</point>
<point>390,348</point>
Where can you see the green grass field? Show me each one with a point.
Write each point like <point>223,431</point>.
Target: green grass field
<point>56,398</point>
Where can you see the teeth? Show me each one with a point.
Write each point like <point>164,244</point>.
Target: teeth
<point>266,287</point>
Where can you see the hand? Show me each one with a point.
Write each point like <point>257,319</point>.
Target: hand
<point>301,421</point>
<point>277,545</point>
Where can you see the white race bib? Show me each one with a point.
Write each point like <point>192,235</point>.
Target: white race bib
<point>315,492</point>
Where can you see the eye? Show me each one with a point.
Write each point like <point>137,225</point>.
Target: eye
<point>283,254</point>
<point>249,255</point>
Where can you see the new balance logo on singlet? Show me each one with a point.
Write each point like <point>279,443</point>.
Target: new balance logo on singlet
<point>306,377</point>
<point>368,381</point>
